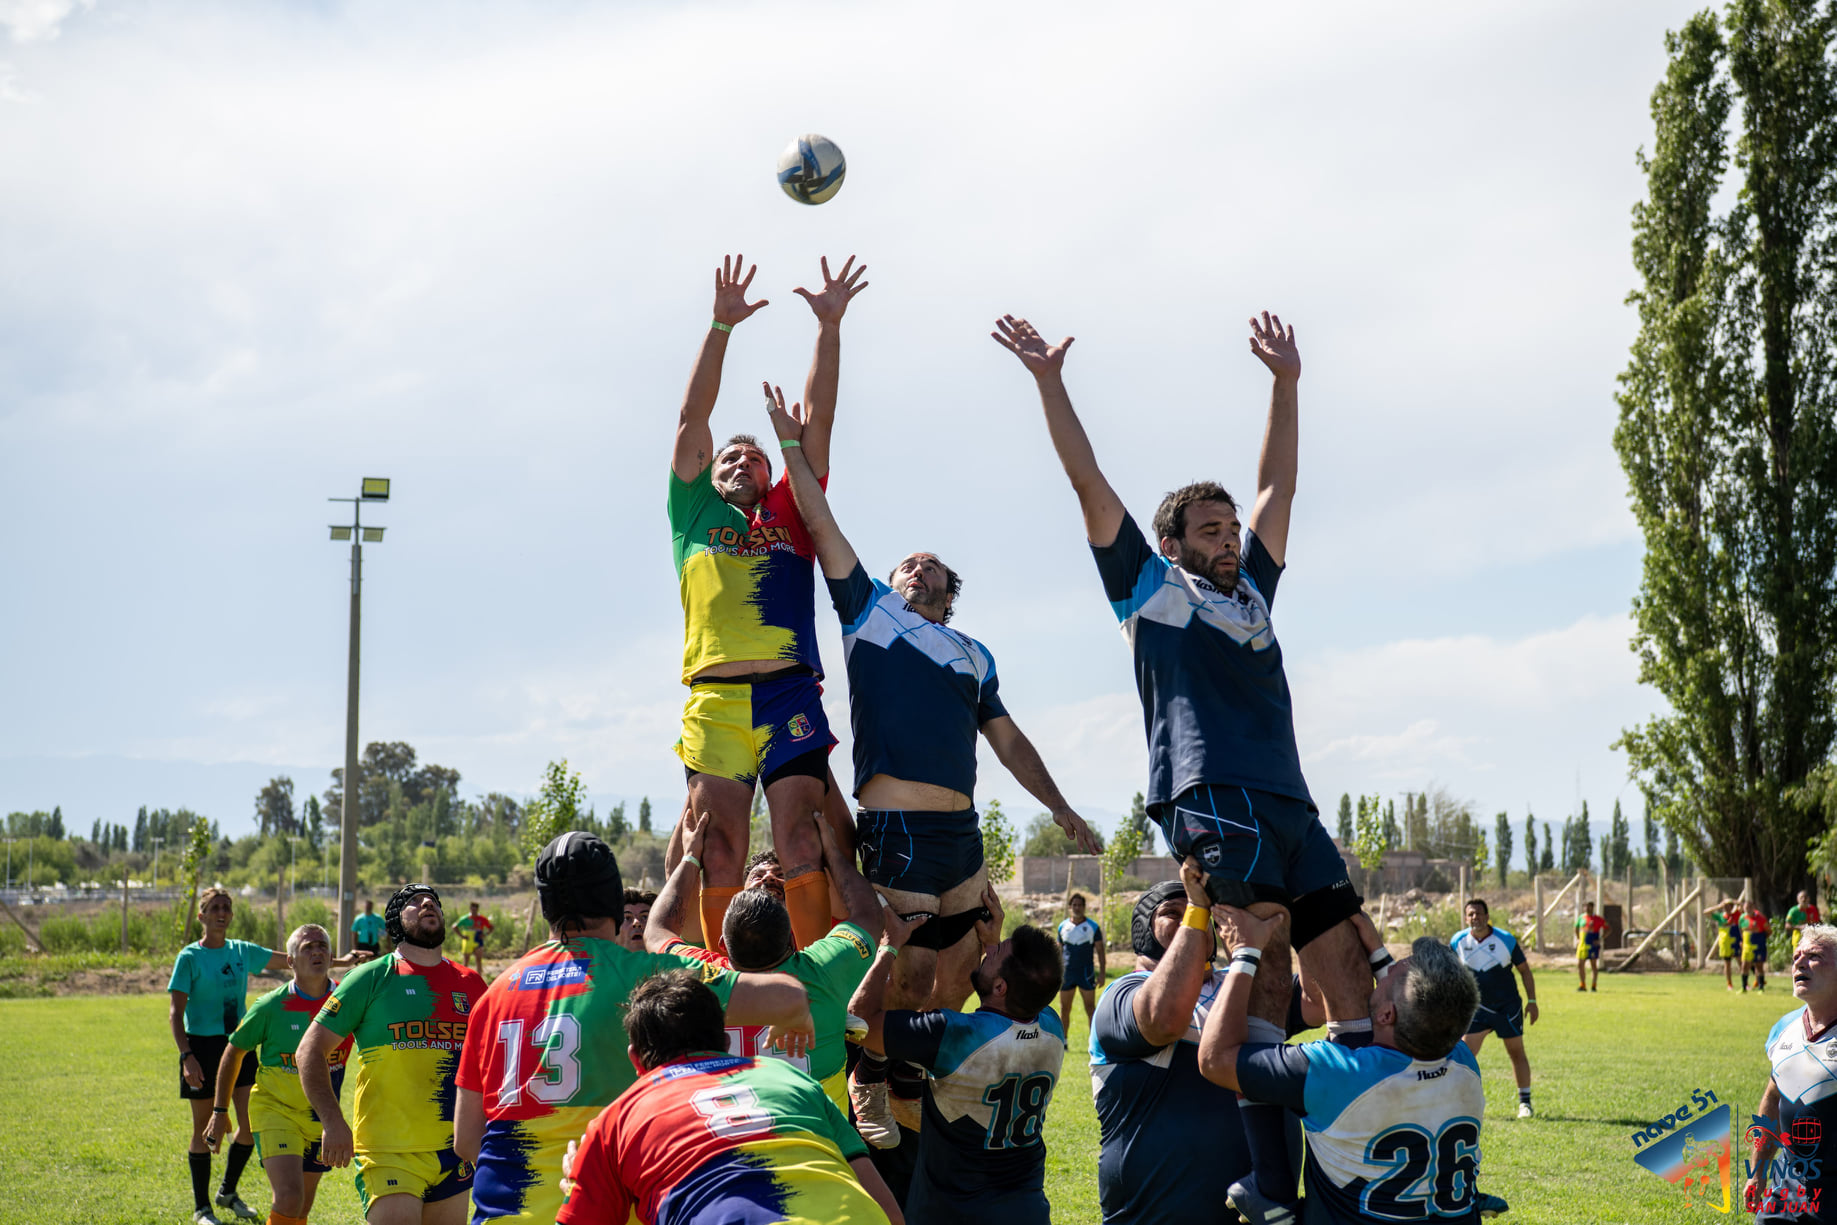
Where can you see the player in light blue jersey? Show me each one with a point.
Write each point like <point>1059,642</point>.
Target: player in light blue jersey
<point>921,693</point>
<point>1799,1108</point>
<point>1492,955</point>
<point>989,1077</point>
<point>1393,1128</point>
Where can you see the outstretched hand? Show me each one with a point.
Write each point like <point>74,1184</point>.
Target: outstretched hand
<point>838,291</point>
<point>730,304</point>
<point>1073,827</point>
<point>1020,338</point>
<point>695,834</point>
<point>788,424</point>
<point>1274,346</point>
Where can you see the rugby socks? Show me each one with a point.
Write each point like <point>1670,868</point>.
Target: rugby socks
<point>1524,1097</point>
<point>1351,1034</point>
<point>232,1173</point>
<point>807,898</point>
<point>871,1070</point>
<point>1744,980</point>
<point>200,1179</point>
<point>713,906</point>
<point>1266,1132</point>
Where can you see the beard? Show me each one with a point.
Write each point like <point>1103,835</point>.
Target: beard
<point>426,942</point>
<point>1221,574</point>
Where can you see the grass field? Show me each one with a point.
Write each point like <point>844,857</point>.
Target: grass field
<point>95,1131</point>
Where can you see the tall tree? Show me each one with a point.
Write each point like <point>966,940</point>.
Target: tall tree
<point>1548,862</point>
<point>1728,438</point>
<point>274,807</point>
<point>56,827</point>
<point>1502,845</point>
<point>141,832</point>
<point>1616,855</point>
<point>1530,845</point>
<point>644,813</point>
<point>1651,836</point>
<point>1345,821</point>
<point>1393,837</point>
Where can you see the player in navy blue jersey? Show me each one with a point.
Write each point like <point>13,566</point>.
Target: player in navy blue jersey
<point>920,692</point>
<point>1085,963</point>
<point>1492,955</point>
<point>1393,1128</point>
<point>1224,780</point>
<point>1790,1169</point>
<point>990,1076</point>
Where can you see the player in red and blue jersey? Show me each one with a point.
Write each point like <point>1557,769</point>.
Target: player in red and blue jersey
<point>1590,929</point>
<point>545,1050</point>
<point>709,1138</point>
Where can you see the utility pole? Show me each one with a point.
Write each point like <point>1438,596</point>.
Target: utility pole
<point>373,489</point>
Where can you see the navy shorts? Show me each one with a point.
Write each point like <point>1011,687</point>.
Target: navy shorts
<point>1505,1023</point>
<point>1757,941</point>
<point>919,852</point>
<point>1084,977</point>
<point>1274,845</point>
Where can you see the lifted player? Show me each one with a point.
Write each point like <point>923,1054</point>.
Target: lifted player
<point>1225,782</point>
<point>743,561</point>
<point>919,693</point>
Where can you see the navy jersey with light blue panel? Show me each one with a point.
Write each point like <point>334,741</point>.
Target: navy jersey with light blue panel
<point>1151,1103</point>
<point>1390,1138</point>
<point>1209,670</point>
<point>1079,941</point>
<point>982,1151</point>
<point>1491,961</point>
<point>918,691</point>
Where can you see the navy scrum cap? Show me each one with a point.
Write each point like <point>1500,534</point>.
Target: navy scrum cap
<point>1142,922</point>
<point>392,913</point>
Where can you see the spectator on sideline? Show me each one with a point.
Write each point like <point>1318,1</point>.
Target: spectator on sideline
<point>367,930</point>
<point>473,927</point>
<point>1589,927</point>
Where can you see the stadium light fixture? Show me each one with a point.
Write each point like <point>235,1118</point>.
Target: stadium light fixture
<point>371,489</point>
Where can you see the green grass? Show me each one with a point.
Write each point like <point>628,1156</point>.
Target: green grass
<point>95,1130</point>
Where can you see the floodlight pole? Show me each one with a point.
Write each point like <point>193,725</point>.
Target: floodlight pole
<point>347,823</point>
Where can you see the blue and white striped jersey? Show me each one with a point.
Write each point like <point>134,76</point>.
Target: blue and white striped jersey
<point>982,1150</point>
<point>1390,1138</point>
<point>1207,666</point>
<point>1491,961</point>
<point>918,692</point>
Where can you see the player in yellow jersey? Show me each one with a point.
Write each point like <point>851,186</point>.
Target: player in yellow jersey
<point>408,1012</point>
<point>745,567</point>
<point>286,1129</point>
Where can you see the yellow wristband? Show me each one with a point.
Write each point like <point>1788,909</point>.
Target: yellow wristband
<point>1198,918</point>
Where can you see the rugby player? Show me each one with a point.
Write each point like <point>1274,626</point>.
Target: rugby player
<point>707,1135</point>
<point>539,1057</point>
<point>1725,917</point>
<point>637,910</point>
<point>1151,1099</point>
<point>919,693</point>
<point>1754,928</point>
<point>408,1013</point>
<point>1589,927</point>
<point>1225,780</point>
<point>1800,1101</point>
<point>757,938</point>
<point>743,561</point>
<point>1082,941</point>
<point>286,1129</point>
<point>473,927</point>
<point>1802,913</point>
<point>990,1076</point>
<point>1393,1127</point>
<point>1492,955</point>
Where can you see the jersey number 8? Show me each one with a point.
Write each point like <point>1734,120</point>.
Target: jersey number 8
<point>733,1113</point>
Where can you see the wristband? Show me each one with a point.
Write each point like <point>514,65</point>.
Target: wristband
<point>1528,1003</point>
<point>785,444</point>
<point>1242,966</point>
<point>219,1109</point>
<point>718,326</point>
<point>1196,917</point>
<point>890,951</point>
<point>687,858</point>
<point>1250,954</point>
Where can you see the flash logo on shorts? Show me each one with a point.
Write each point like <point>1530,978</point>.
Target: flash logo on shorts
<point>799,727</point>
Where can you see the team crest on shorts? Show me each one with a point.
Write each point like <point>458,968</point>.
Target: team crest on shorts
<point>1213,853</point>
<point>461,1004</point>
<point>799,727</point>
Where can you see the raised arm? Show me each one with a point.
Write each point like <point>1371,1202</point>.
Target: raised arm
<point>792,426</point>
<point>1103,510</point>
<point>682,889</point>
<point>828,305</point>
<point>1228,1024</point>
<point>1163,1005</point>
<point>859,896</point>
<point>1016,752</point>
<point>694,442</point>
<point>1274,346</point>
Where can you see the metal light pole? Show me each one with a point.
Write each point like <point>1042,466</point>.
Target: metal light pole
<point>373,489</point>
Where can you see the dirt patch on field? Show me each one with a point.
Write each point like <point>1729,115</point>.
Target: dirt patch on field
<point>141,980</point>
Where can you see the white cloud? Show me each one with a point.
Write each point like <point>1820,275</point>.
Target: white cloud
<point>31,21</point>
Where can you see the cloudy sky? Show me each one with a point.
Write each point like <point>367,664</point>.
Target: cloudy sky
<point>256,251</point>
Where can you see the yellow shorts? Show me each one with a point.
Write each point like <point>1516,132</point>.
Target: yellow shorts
<point>429,1177</point>
<point>283,1140</point>
<point>1725,946</point>
<point>750,731</point>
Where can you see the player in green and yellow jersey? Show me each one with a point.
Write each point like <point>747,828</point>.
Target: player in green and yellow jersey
<point>408,1013</point>
<point>757,936</point>
<point>746,569</point>
<point>472,927</point>
<point>545,1051</point>
<point>286,1129</point>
